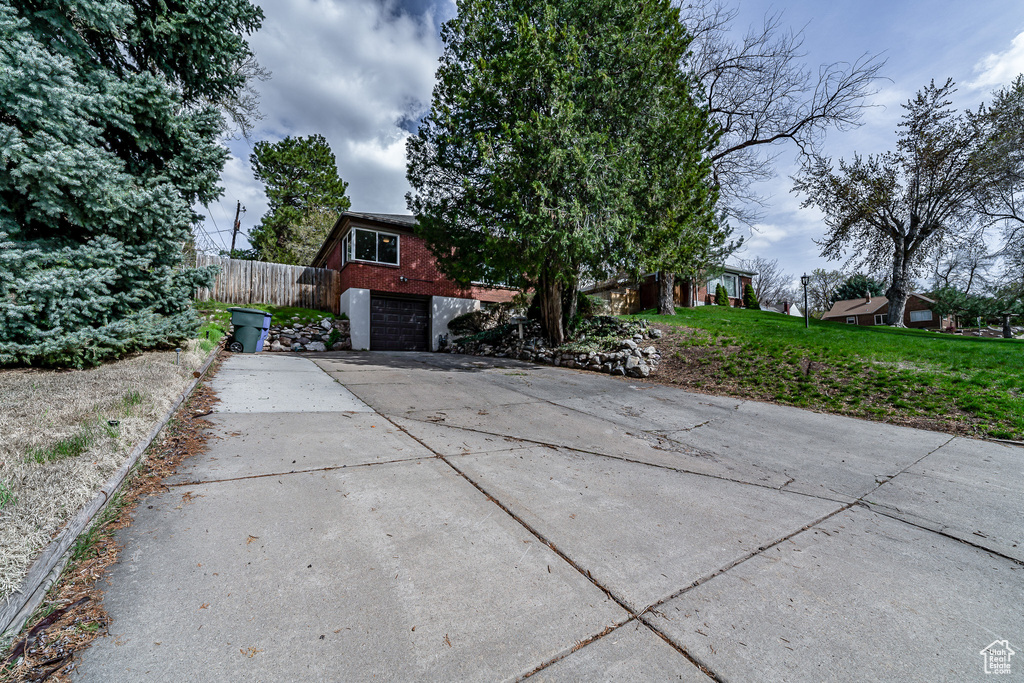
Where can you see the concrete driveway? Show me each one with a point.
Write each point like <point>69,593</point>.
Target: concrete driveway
<point>375,516</point>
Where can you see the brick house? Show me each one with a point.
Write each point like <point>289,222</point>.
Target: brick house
<point>690,293</point>
<point>875,311</point>
<point>391,288</point>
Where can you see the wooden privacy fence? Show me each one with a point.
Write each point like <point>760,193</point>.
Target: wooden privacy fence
<point>257,282</point>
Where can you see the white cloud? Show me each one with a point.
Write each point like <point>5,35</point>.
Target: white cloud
<point>999,69</point>
<point>355,71</point>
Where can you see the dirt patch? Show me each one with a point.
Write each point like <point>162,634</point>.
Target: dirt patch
<point>65,432</point>
<point>72,615</point>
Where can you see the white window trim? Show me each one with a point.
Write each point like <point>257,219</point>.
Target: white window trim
<point>881,318</point>
<point>851,320</point>
<point>351,256</point>
<point>921,318</point>
<point>713,285</point>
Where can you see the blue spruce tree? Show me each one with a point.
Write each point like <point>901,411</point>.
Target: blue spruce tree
<point>109,126</point>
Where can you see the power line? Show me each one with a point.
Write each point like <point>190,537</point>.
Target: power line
<point>210,213</point>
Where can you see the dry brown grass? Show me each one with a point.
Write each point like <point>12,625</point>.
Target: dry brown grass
<point>41,409</point>
<point>72,615</point>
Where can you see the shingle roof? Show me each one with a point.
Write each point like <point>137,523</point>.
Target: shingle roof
<point>861,306</point>
<point>397,218</point>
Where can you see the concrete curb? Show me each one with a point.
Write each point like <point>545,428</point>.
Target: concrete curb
<point>18,607</point>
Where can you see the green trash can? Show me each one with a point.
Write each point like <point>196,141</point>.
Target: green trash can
<point>249,324</point>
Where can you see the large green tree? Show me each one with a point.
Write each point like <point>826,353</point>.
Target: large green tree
<point>896,209</point>
<point>108,136</point>
<point>858,286</point>
<point>560,130</point>
<point>305,196</point>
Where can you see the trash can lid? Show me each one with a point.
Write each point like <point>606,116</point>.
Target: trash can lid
<point>249,310</point>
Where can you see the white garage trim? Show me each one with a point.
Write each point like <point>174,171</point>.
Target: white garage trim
<point>355,303</point>
<point>442,310</point>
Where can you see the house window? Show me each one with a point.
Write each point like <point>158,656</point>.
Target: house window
<point>920,316</point>
<point>370,245</point>
<point>851,320</point>
<point>730,282</point>
<point>881,318</point>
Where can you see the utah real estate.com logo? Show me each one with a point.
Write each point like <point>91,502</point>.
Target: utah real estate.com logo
<point>997,657</point>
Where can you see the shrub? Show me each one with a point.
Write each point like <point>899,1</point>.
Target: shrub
<point>476,322</point>
<point>750,298</point>
<point>721,296</point>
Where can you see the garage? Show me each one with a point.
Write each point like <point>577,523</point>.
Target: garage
<point>398,324</point>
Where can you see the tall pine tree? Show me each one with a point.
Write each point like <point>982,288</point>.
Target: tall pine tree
<point>559,130</point>
<point>304,197</point>
<point>108,137</point>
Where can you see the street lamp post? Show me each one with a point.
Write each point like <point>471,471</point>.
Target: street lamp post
<point>805,280</point>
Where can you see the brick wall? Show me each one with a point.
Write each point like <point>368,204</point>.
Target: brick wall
<point>915,304</point>
<point>417,266</point>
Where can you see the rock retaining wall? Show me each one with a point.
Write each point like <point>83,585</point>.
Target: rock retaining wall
<point>633,356</point>
<point>309,337</point>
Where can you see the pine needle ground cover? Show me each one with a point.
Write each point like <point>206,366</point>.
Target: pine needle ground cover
<point>65,432</point>
<point>962,385</point>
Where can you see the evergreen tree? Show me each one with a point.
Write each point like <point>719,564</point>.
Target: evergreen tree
<point>858,286</point>
<point>721,296</point>
<point>750,298</point>
<point>305,196</point>
<point>108,126</point>
<point>557,129</point>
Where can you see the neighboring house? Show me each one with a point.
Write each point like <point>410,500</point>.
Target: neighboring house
<point>783,307</point>
<point>689,293</point>
<point>871,310</point>
<point>391,289</point>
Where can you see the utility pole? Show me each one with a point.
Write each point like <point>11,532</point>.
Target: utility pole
<point>239,209</point>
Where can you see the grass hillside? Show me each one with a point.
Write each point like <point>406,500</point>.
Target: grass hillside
<point>963,385</point>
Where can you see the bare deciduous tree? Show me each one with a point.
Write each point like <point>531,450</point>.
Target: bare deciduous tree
<point>821,290</point>
<point>900,208</point>
<point>761,94</point>
<point>771,284</point>
<point>964,266</point>
<point>241,110</point>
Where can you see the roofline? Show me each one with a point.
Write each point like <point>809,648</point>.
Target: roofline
<point>339,225</point>
<point>873,310</point>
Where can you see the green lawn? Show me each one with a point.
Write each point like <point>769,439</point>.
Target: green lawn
<point>966,385</point>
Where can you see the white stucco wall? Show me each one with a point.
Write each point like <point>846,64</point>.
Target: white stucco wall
<point>442,310</point>
<point>355,303</point>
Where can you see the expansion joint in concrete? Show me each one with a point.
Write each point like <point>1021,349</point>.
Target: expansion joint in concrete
<point>881,511</point>
<point>329,468</point>
<point>572,563</point>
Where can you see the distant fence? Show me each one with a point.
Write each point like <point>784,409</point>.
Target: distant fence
<point>625,301</point>
<point>256,282</point>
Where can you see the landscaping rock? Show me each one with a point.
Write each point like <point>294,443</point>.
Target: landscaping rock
<point>614,346</point>
<point>310,337</point>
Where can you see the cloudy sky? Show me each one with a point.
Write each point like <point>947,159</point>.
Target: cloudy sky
<point>360,72</point>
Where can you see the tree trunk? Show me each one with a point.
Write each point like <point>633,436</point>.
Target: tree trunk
<point>666,293</point>
<point>899,290</point>
<point>570,299</point>
<point>550,292</point>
